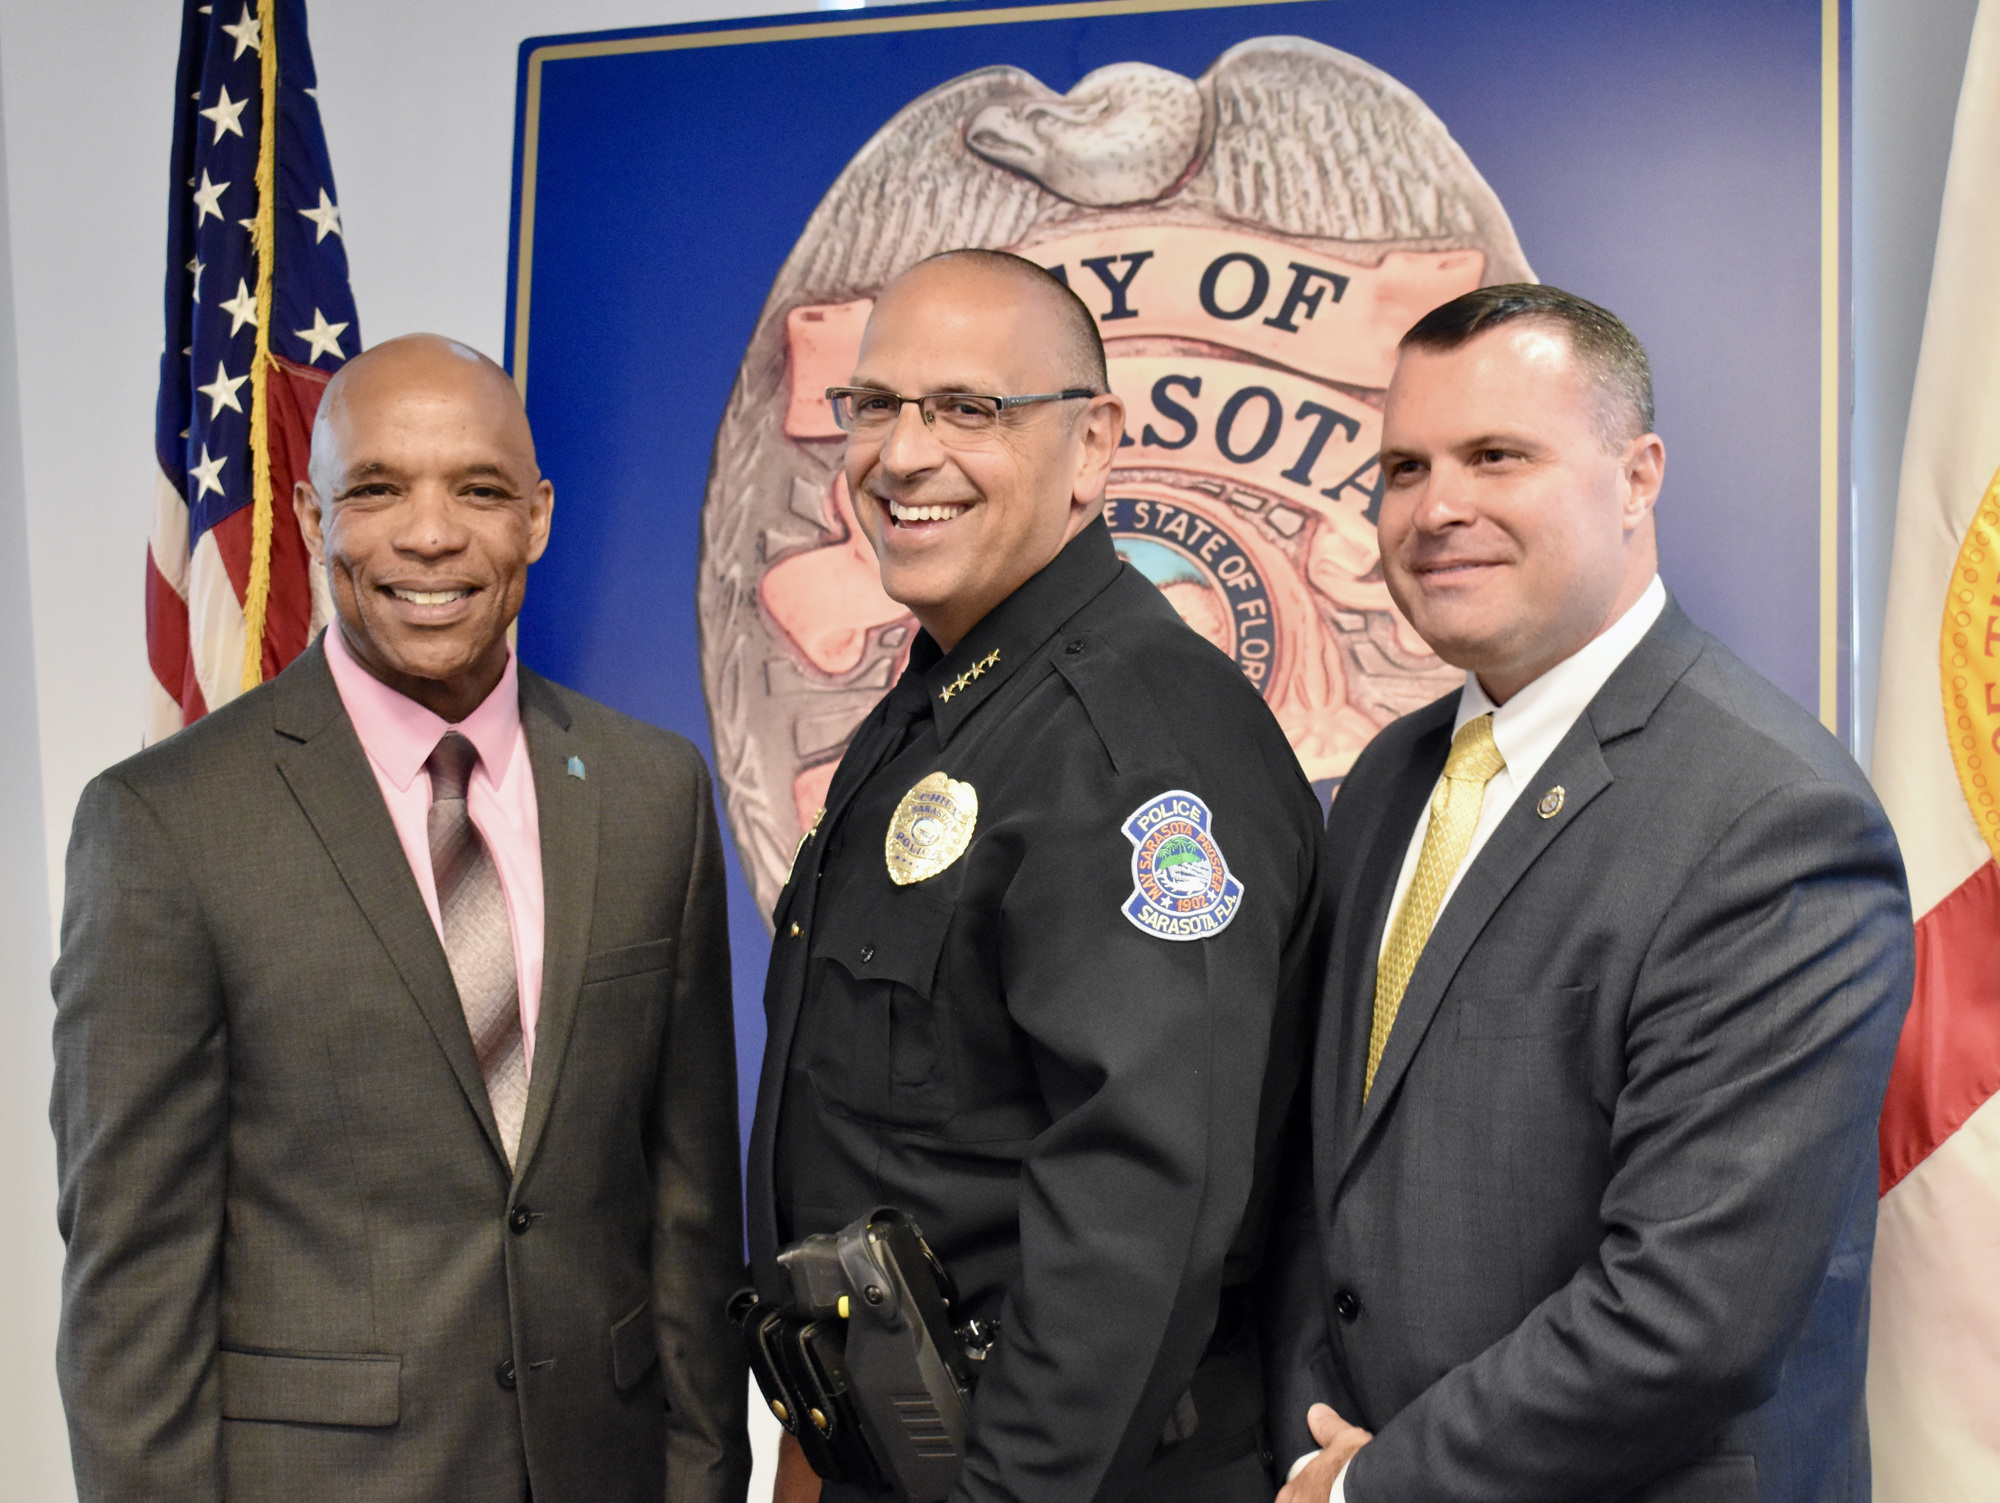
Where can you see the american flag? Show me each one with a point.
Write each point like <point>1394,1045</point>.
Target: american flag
<point>259,316</point>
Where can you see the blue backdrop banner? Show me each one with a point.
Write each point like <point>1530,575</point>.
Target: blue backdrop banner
<point>1256,200</point>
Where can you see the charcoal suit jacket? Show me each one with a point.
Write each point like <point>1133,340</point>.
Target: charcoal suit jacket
<point>1602,1227</point>
<point>298,1266</point>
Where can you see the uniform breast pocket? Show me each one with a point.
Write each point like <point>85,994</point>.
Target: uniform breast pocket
<point>880,1049</point>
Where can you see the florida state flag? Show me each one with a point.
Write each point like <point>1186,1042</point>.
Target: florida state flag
<point>1934,1365</point>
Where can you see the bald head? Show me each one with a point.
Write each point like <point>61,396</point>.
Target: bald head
<point>411,366</point>
<point>960,519</point>
<point>425,505</point>
<point>1073,341</point>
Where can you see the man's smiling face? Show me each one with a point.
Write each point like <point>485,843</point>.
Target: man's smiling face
<point>959,521</point>
<point>426,507</point>
<point>1513,530</point>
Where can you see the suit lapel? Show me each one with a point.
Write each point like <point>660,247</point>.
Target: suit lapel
<point>321,760</point>
<point>1516,845</point>
<point>1623,705</point>
<point>567,815</point>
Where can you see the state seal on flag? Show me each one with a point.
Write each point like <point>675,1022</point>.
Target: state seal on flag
<point>1181,886</point>
<point>1971,671</point>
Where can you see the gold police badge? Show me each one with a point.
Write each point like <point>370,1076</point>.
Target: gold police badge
<point>930,829</point>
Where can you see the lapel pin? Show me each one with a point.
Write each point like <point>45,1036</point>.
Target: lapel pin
<point>1551,804</point>
<point>575,768</point>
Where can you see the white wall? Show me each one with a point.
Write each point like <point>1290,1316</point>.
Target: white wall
<point>418,103</point>
<point>33,1463</point>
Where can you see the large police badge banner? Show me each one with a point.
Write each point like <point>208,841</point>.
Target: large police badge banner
<point>1256,200</point>
<point>1253,241</point>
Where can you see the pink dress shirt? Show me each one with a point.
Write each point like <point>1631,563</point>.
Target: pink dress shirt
<point>398,734</point>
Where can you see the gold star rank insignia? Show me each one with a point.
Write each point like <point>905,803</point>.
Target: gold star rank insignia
<point>964,680</point>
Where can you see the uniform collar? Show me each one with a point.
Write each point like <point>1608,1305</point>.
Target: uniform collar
<point>1006,639</point>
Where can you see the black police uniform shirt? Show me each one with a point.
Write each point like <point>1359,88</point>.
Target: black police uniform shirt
<point>1068,1052</point>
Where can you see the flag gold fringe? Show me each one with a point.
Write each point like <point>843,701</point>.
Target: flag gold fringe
<point>257,594</point>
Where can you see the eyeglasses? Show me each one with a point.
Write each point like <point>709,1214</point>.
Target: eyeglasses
<point>866,409</point>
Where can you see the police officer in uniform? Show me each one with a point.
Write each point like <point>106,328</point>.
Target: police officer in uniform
<point>1041,966</point>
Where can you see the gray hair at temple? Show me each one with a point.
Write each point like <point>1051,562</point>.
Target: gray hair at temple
<point>1621,376</point>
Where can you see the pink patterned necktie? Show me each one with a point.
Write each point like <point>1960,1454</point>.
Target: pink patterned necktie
<point>478,939</point>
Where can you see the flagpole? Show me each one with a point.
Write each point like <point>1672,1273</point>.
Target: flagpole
<point>257,593</point>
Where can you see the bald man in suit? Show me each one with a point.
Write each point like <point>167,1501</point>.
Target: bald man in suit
<point>395,1093</point>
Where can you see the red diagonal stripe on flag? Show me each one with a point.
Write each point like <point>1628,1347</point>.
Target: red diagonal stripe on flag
<point>167,634</point>
<point>293,391</point>
<point>1948,1064</point>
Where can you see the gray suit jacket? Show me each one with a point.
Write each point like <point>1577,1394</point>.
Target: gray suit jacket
<point>1602,1228</point>
<point>297,1266</point>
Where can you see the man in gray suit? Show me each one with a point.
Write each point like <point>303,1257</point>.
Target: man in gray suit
<point>1620,955</point>
<point>395,1097</point>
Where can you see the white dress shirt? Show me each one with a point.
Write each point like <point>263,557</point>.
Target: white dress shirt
<point>1527,729</point>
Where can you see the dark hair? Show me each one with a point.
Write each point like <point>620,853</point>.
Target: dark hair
<point>1085,352</point>
<point>1614,357</point>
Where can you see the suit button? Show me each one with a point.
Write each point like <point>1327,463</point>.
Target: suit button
<point>1073,647</point>
<point>520,1219</point>
<point>1347,1305</point>
<point>504,1374</point>
<point>795,931</point>
<point>867,953</point>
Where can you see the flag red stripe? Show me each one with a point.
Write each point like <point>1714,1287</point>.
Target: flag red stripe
<point>1948,1063</point>
<point>232,542</point>
<point>293,392</point>
<point>193,706</point>
<point>167,635</point>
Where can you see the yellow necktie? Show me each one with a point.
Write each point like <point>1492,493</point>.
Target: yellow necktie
<point>1473,761</point>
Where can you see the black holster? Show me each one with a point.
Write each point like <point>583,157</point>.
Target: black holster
<point>862,1365</point>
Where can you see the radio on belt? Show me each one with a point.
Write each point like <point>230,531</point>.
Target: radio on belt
<point>863,1365</point>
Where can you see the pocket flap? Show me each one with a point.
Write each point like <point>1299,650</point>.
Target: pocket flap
<point>1523,1015</point>
<point>358,1390</point>
<point>898,941</point>
<point>634,1348</point>
<point>629,960</point>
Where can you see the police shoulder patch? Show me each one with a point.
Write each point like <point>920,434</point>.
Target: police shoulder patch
<point>1181,887</point>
